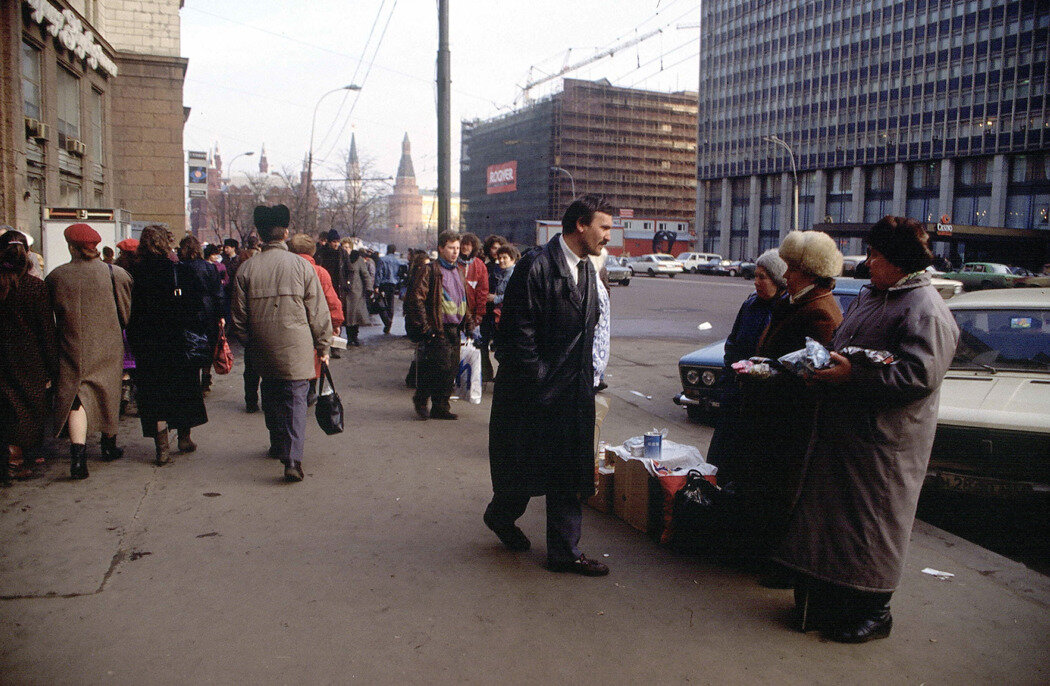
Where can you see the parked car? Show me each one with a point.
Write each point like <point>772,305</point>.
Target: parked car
<point>691,260</point>
<point>617,271</point>
<point>739,268</point>
<point>705,381</point>
<point>993,426</point>
<point>850,262</point>
<point>980,275</point>
<point>655,263</point>
<point>948,288</point>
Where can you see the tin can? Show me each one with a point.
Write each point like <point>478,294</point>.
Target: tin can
<point>653,445</point>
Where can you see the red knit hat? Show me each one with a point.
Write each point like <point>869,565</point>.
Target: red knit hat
<point>82,235</point>
<point>128,245</point>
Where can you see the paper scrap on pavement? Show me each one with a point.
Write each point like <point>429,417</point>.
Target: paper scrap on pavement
<point>704,326</point>
<point>642,395</point>
<point>937,573</point>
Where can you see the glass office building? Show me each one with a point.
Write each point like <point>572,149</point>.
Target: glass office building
<point>934,109</point>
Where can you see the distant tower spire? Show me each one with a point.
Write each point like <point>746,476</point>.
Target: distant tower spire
<point>353,169</point>
<point>405,169</point>
<point>264,166</point>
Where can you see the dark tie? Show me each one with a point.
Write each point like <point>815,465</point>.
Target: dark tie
<point>581,275</point>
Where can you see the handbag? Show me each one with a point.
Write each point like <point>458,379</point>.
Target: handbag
<point>329,408</point>
<point>374,302</point>
<point>223,359</point>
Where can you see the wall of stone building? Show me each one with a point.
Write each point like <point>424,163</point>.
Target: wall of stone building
<point>147,120</point>
<point>146,27</point>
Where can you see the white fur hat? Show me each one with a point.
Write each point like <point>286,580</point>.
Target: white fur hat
<point>812,251</point>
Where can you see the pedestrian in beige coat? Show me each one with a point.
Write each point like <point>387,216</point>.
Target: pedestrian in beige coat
<point>90,299</point>
<point>281,315</point>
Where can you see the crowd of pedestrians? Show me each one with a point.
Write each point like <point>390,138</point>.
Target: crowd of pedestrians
<point>829,466</point>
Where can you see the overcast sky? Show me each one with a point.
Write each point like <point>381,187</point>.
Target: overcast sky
<point>258,67</point>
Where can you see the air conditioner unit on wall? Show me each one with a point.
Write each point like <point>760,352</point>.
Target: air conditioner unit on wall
<point>43,132</point>
<point>32,127</point>
<point>74,146</point>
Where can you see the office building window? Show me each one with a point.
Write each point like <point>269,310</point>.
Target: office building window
<point>973,192</point>
<point>96,125</point>
<point>30,81</point>
<point>68,106</point>
<point>1028,193</point>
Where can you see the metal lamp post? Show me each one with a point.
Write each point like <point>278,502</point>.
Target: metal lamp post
<point>776,140</point>
<point>572,181</point>
<point>313,124</point>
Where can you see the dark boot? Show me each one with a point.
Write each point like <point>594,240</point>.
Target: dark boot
<point>5,466</point>
<point>293,472</point>
<point>186,444</point>
<point>110,451</point>
<point>163,450</point>
<point>866,618</point>
<point>78,461</point>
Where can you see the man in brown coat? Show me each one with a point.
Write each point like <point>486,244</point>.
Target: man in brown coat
<point>280,313</point>
<point>91,301</point>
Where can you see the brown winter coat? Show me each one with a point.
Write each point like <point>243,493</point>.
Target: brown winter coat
<point>871,442</point>
<point>816,314</point>
<point>280,313</point>
<point>423,304</point>
<point>28,360</point>
<point>91,346</point>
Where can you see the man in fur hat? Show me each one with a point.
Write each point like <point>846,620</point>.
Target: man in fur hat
<point>275,292</point>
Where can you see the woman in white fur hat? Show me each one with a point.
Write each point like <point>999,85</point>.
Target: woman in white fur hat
<point>770,455</point>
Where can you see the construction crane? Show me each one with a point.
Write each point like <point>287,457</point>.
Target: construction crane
<point>582,63</point>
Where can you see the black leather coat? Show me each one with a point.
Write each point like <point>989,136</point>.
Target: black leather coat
<point>541,433</point>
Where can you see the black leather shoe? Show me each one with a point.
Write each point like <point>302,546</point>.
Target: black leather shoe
<point>862,630</point>
<point>421,407</point>
<point>581,566</point>
<point>511,536</point>
<point>293,472</point>
<point>110,451</point>
<point>251,407</point>
<point>443,414</point>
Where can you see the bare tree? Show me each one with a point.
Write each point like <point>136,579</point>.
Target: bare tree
<point>352,202</point>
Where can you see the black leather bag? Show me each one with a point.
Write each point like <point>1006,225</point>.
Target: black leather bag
<point>195,348</point>
<point>329,408</point>
<point>706,519</point>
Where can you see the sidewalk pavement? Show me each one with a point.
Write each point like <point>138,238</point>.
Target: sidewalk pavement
<point>377,569</point>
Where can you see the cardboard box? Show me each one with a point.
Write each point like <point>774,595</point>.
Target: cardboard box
<point>603,499</point>
<point>633,497</point>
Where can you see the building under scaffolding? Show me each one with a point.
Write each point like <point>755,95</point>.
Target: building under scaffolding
<point>635,147</point>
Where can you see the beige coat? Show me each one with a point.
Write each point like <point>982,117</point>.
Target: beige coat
<point>91,348</point>
<point>280,313</point>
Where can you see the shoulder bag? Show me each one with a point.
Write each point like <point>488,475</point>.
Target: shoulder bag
<point>194,349</point>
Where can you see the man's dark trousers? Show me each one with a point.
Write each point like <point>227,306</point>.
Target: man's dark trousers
<point>387,291</point>
<point>564,521</point>
<point>251,382</point>
<point>284,404</point>
<point>437,367</point>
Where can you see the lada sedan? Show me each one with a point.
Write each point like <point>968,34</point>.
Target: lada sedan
<point>993,426</point>
<point>655,263</point>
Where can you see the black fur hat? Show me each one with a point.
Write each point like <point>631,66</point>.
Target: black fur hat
<point>268,218</point>
<point>904,242</point>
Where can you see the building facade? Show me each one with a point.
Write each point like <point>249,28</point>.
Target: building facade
<point>91,109</point>
<point>635,147</point>
<point>405,205</point>
<point>933,109</point>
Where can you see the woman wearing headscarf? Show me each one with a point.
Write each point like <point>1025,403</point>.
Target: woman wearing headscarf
<point>751,321</point>
<point>359,285</point>
<point>172,332</point>
<point>28,356</point>
<point>91,301</point>
<point>871,441</point>
<point>767,460</point>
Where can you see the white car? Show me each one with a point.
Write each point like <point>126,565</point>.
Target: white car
<point>656,263</point>
<point>691,261</point>
<point>993,427</point>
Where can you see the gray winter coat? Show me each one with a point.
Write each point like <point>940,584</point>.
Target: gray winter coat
<point>871,442</point>
<point>359,280</point>
<point>280,313</point>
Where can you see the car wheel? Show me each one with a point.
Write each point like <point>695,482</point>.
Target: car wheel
<point>671,276</point>
<point>652,272</point>
<point>732,272</point>
<point>695,412</point>
<point>626,282</point>
<point>693,270</point>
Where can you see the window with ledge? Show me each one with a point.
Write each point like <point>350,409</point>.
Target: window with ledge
<point>68,106</point>
<point>31,81</point>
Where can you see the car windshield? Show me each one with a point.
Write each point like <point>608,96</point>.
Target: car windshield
<point>845,300</point>
<point>665,258</point>
<point>1003,340</point>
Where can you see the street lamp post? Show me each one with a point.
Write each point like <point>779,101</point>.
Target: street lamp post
<point>226,200</point>
<point>313,124</point>
<point>776,140</point>
<point>571,180</point>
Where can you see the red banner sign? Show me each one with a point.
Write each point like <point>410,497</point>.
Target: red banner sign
<point>502,178</point>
